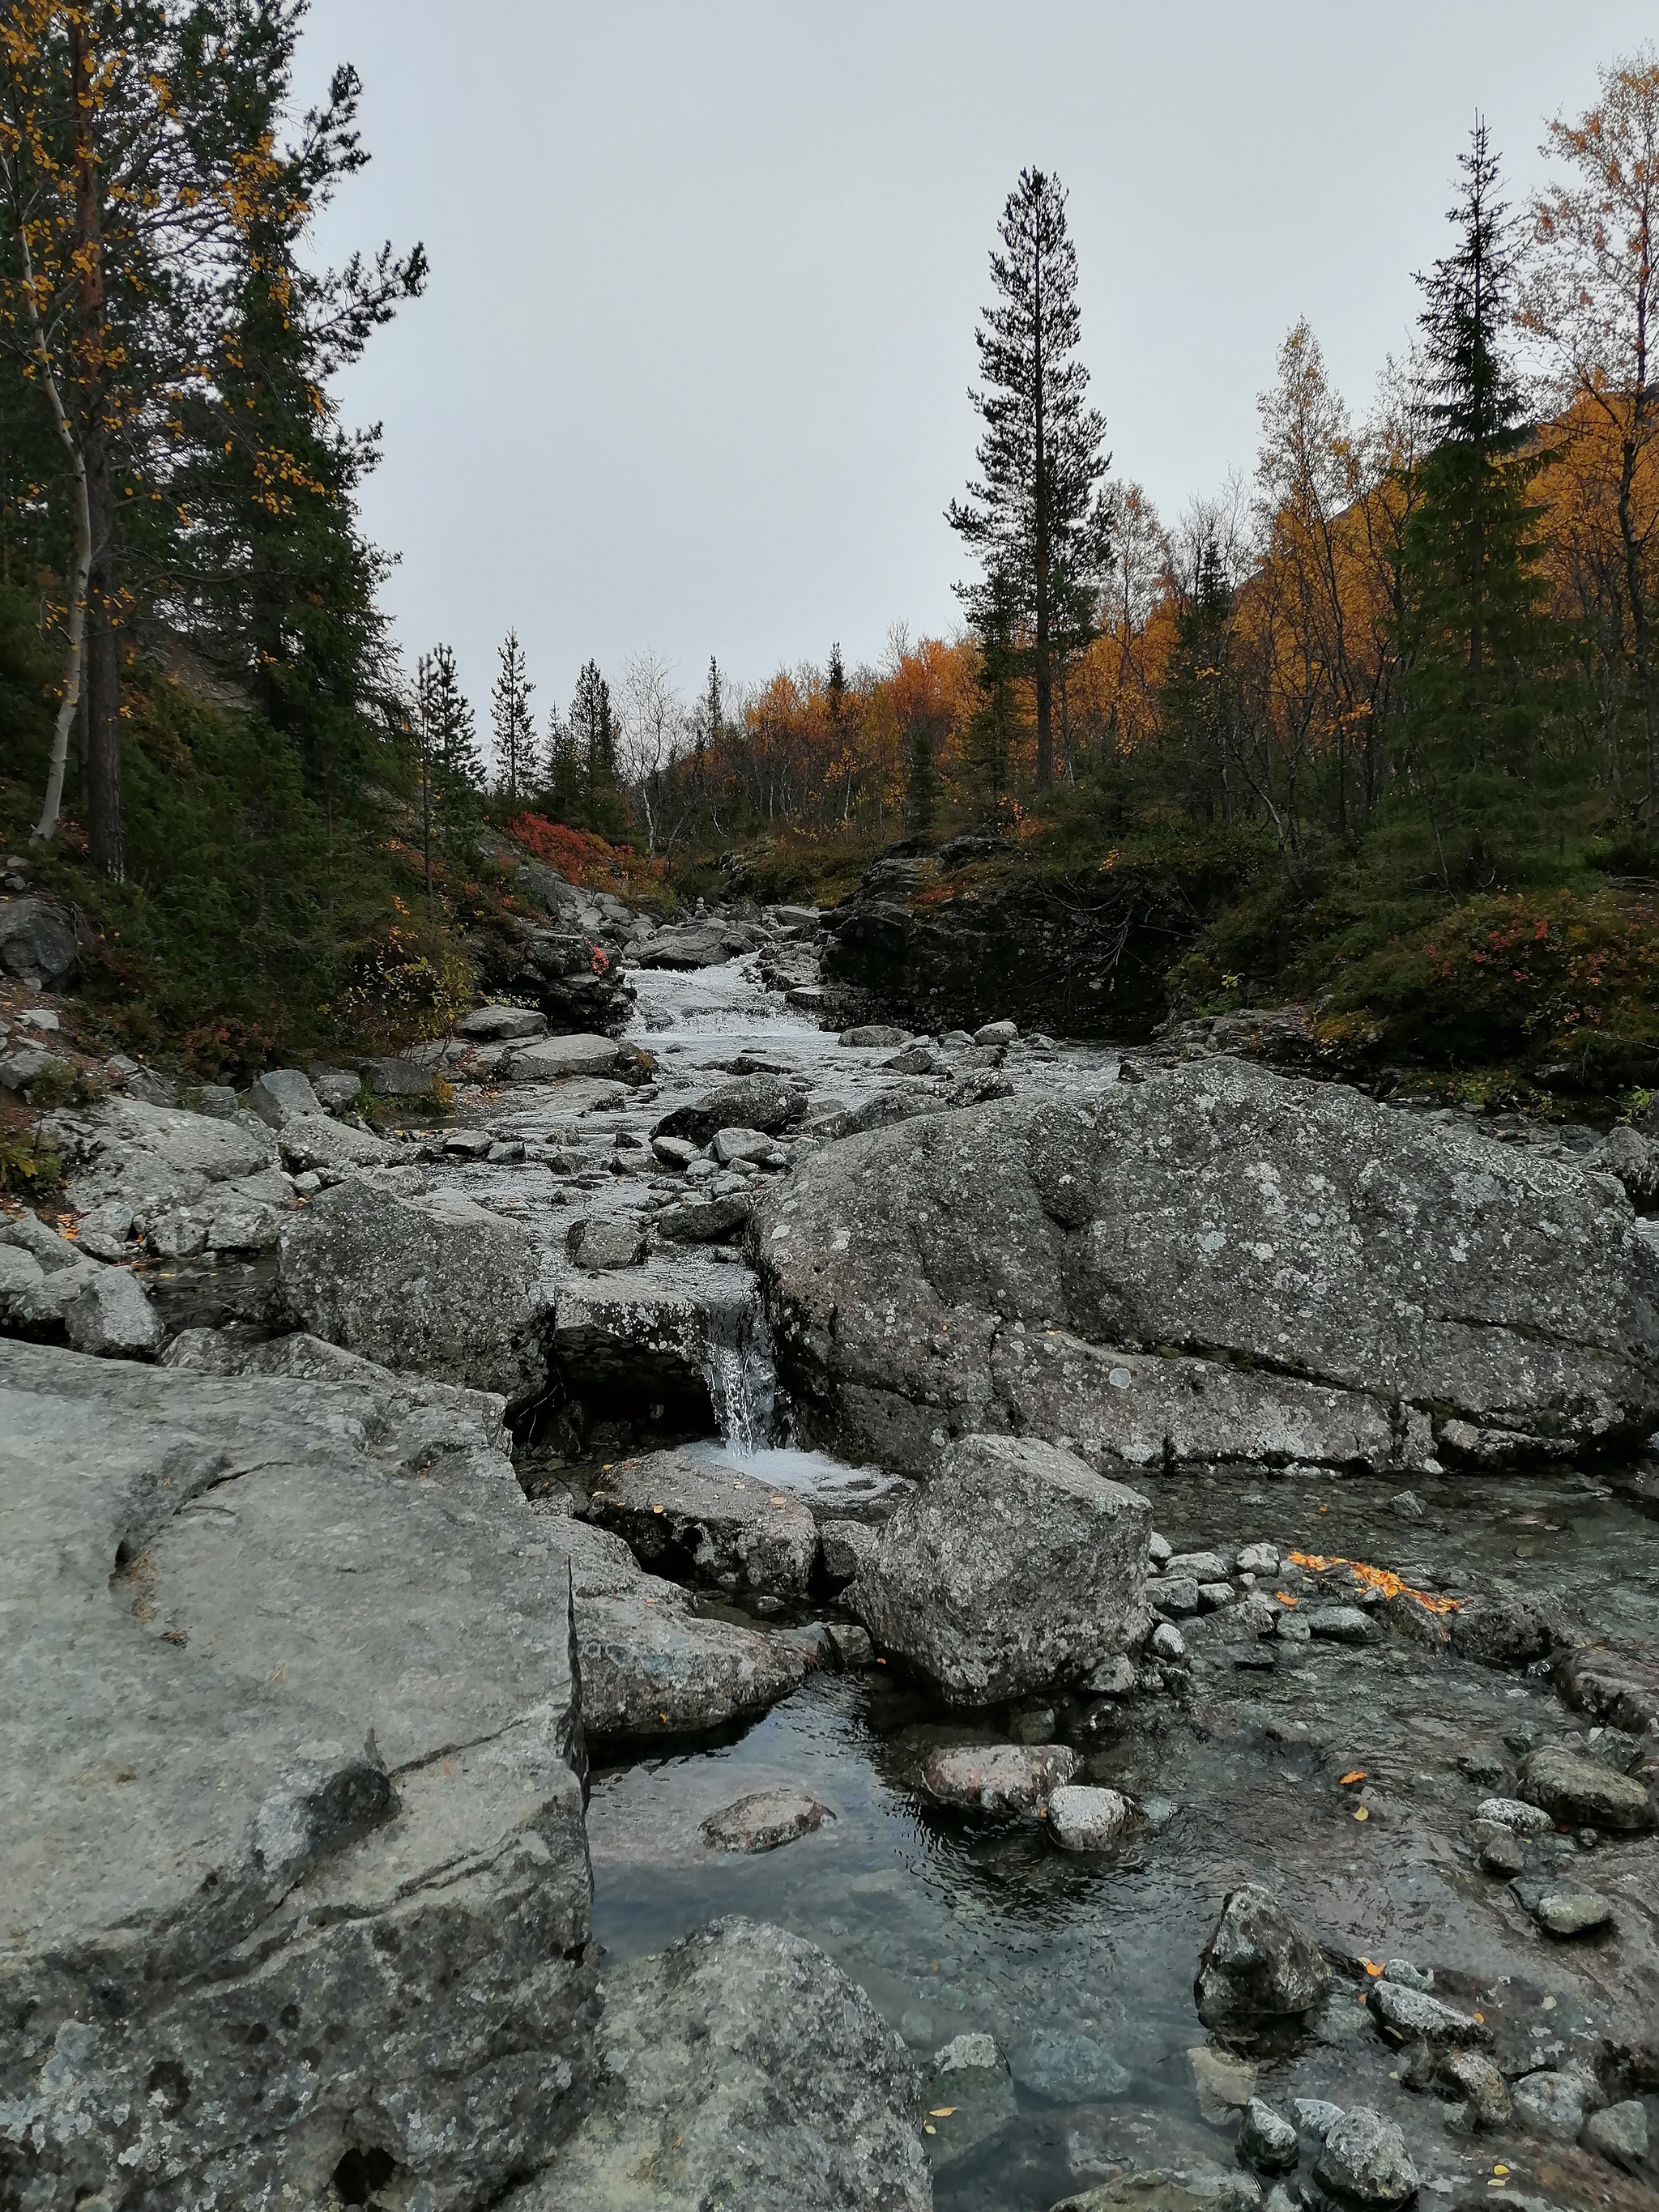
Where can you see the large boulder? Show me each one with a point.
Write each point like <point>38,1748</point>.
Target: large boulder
<point>290,1802</point>
<point>1217,1264</point>
<point>742,2067</point>
<point>280,1093</point>
<point>689,1519</point>
<point>1017,1568</point>
<point>37,943</point>
<point>550,1059</point>
<point>435,1284</point>
<point>702,944</point>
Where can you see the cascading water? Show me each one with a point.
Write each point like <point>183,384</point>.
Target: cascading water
<point>742,1378</point>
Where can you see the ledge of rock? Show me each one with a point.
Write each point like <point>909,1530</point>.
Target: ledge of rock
<point>1222,1264</point>
<point>293,1767</point>
<point>692,1520</point>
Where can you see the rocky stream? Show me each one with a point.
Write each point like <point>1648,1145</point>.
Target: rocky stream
<point>768,1616</point>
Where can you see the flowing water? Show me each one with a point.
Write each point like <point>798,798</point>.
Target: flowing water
<point>1082,1968</point>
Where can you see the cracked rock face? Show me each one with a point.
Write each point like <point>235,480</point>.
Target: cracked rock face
<point>286,1882</point>
<point>1221,1264</point>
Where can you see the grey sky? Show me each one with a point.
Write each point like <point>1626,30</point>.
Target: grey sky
<point>691,374</point>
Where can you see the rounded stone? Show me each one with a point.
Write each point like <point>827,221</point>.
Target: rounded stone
<point>1364,2157</point>
<point>1083,1820</point>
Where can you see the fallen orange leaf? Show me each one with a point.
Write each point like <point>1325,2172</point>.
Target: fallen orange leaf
<point>1377,1578</point>
<point>1373,1967</point>
<point>1284,1597</point>
<point>940,2112</point>
<point>1358,1775</point>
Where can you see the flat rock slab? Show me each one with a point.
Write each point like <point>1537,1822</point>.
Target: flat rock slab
<point>1413,2016</point>
<point>650,1667</point>
<point>498,1025</point>
<point>999,1777</point>
<point>694,1521</point>
<point>1017,1568</point>
<point>763,1821</point>
<point>552,1059</point>
<point>742,2067</point>
<point>292,1759</point>
<point>145,1156</point>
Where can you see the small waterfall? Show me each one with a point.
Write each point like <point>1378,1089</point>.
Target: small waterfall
<point>742,1378</point>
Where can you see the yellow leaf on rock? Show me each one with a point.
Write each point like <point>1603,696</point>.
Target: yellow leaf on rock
<point>1358,1775</point>
<point>940,2112</point>
<point>1362,1815</point>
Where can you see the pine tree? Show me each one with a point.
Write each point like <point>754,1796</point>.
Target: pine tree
<point>712,706</point>
<point>510,723</point>
<point>835,688</point>
<point>563,769</point>
<point>1476,637</point>
<point>1039,523</point>
<point>921,782</point>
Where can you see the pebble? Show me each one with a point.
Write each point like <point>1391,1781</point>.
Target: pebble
<point>1515,1814</point>
<point>1479,2082</point>
<point>1365,2158</point>
<point>1198,1566</point>
<point>1083,1820</point>
<point>1503,1855</point>
<point>1416,2017</point>
<point>1267,2141</point>
<point>1071,2069</point>
<point>999,1777</point>
<point>1620,2133</point>
<point>1551,2104</point>
<point>1564,1909</point>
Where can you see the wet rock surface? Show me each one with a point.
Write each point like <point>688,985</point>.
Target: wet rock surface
<point>1371,1781</point>
<point>707,1521</point>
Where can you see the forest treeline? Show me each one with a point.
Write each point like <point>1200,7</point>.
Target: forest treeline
<point>1386,704</point>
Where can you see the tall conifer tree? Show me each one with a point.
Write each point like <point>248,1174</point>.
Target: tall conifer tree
<point>1038,522</point>
<point>510,723</point>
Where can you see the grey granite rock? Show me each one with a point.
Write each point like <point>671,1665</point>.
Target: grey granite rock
<point>435,1284</point>
<point>742,2068</point>
<point>765,1819</point>
<point>1582,1793</point>
<point>1015,1568</point>
<point>293,1762</point>
<point>998,1778</point>
<point>996,1267</point>
<point>1259,1963</point>
<point>1365,2159</point>
<point>281,1094</point>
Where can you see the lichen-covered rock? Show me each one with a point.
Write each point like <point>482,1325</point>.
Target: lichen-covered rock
<point>280,1093</point>
<point>150,1158</point>
<point>1259,1964</point>
<point>742,2067</point>
<point>764,1820</point>
<point>1318,1277</point>
<point>291,1766</point>
<point>112,1317</point>
<point>999,1777</point>
<point>1015,1568</point>
<point>435,1284</point>
<point>1364,2159</point>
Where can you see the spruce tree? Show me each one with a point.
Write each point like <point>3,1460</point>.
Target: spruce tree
<point>1038,522</point>
<point>921,782</point>
<point>594,729</point>
<point>994,731</point>
<point>449,746</point>
<point>712,706</point>
<point>1200,686</point>
<point>1476,636</point>
<point>510,723</point>
<point>563,769</point>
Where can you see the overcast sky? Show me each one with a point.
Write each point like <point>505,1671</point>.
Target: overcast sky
<point>691,372</point>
